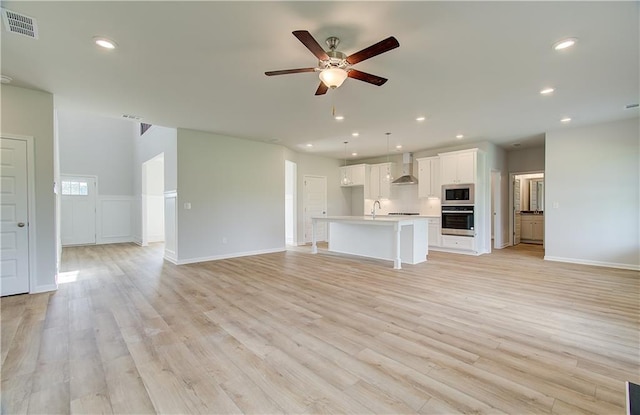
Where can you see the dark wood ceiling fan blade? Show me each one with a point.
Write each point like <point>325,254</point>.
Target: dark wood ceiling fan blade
<point>373,50</point>
<point>366,77</point>
<point>288,71</point>
<point>322,89</point>
<point>311,44</point>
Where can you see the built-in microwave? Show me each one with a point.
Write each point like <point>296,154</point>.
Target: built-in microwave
<point>458,194</point>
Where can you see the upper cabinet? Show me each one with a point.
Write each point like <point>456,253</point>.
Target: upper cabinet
<point>379,183</point>
<point>458,167</point>
<point>429,177</point>
<point>355,175</point>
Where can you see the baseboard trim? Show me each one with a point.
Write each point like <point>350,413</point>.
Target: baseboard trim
<point>632,267</point>
<point>229,256</point>
<point>454,251</point>
<point>44,288</point>
<point>114,240</point>
<point>170,258</point>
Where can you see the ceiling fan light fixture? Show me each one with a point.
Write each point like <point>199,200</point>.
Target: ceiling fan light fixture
<point>333,77</point>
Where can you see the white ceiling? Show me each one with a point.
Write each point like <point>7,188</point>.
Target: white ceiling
<point>474,68</point>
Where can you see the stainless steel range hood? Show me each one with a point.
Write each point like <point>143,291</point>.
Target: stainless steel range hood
<point>407,171</point>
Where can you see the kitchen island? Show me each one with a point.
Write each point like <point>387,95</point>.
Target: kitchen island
<point>395,238</point>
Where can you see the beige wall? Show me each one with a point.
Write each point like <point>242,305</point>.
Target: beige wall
<point>27,112</point>
<point>592,194</point>
<point>236,191</point>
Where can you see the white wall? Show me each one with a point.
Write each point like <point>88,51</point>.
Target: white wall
<point>30,113</point>
<point>153,200</point>
<point>100,146</point>
<point>236,191</point>
<point>97,146</point>
<point>592,182</point>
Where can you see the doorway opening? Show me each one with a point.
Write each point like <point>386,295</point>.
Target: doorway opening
<point>290,201</point>
<point>527,206</point>
<point>153,200</point>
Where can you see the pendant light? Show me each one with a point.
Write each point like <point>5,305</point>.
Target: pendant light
<point>388,177</point>
<point>345,179</point>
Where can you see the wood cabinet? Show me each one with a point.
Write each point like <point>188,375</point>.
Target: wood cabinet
<point>429,177</point>
<point>458,167</point>
<point>434,232</point>
<point>532,228</point>
<point>355,175</point>
<point>379,183</point>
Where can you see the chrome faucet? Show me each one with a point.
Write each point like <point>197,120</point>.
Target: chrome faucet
<point>373,209</point>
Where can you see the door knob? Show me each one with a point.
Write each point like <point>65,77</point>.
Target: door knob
<point>20,224</point>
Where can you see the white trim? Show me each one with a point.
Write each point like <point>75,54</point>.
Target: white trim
<point>171,255</point>
<point>101,238</point>
<point>44,288</point>
<point>31,211</point>
<point>228,256</point>
<point>633,267</point>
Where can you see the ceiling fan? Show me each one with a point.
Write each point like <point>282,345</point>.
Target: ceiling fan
<point>334,66</point>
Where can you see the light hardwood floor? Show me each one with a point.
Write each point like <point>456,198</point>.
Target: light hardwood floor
<point>299,333</point>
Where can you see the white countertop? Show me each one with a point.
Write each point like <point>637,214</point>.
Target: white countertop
<point>369,218</point>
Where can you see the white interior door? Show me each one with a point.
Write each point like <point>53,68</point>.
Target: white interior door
<point>14,246</point>
<point>315,204</point>
<point>78,211</point>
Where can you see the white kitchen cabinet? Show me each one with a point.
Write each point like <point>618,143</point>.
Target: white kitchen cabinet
<point>379,184</point>
<point>355,175</point>
<point>466,243</point>
<point>434,232</point>
<point>532,228</point>
<point>429,177</point>
<point>458,167</point>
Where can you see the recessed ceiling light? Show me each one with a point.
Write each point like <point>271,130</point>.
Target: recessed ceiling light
<point>355,134</point>
<point>399,146</point>
<point>354,154</point>
<point>6,79</point>
<point>459,136</point>
<point>420,119</point>
<point>103,42</point>
<point>517,144</point>
<point>565,119</point>
<point>565,43</point>
<point>339,117</point>
<point>309,145</point>
<point>546,91</point>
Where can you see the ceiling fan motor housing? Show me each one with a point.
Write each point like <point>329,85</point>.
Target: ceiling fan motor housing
<point>336,60</point>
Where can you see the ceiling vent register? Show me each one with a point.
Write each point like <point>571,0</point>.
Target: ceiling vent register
<point>20,24</point>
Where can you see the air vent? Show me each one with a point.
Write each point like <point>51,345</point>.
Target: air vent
<point>132,117</point>
<point>20,24</point>
<point>630,106</point>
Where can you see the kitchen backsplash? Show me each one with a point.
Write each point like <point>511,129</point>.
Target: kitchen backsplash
<point>405,199</point>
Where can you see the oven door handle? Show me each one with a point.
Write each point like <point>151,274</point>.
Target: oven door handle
<point>457,211</point>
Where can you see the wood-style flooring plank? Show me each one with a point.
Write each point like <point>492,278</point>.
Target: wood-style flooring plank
<point>292,332</point>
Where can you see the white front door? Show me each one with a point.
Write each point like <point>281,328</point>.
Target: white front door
<point>78,211</point>
<point>315,204</point>
<point>14,246</point>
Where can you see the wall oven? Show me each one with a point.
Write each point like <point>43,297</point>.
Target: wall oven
<point>458,194</point>
<point>457,220</point>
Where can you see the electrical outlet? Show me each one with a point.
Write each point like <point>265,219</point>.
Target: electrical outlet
<point>224,239</point>
<point>556,205</point>
<point>187,205</point>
